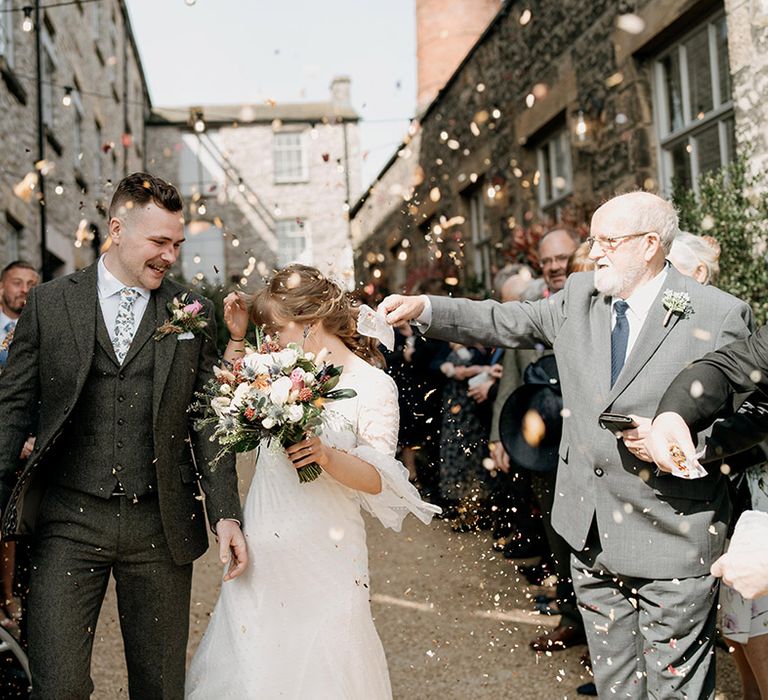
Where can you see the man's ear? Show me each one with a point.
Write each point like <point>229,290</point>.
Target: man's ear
<point>116,228</point>
<point>654,244</point>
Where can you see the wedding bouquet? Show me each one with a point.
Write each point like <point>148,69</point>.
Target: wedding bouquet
<point>269,393</point>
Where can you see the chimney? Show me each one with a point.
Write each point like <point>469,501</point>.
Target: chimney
<point>340,91</point>
<point>445,31</point>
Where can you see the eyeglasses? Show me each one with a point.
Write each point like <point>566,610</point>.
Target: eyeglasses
<point>614,241</point>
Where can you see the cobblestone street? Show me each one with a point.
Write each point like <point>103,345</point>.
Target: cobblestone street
<point>452,615</point>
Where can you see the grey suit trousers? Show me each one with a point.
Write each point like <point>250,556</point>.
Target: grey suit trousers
<point>649,639</point>
<point>81,540</point>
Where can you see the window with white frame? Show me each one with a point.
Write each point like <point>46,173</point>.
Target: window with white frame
<point>6,31</point>
<point>555,169</point>
<point>290,156</point>
<point>693,105</point>
<point>480,235</point>
<point>48,67</point>
<point>292,241</point>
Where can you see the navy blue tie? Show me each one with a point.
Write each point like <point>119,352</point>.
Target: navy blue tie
<point>619,339</point>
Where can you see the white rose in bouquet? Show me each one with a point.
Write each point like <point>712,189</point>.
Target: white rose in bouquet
<point>294,413</point>
<point>220,405</point>
<point>286,358</point>
<point>241,393</point>
<point>309,379</point>
<point>269,423</point>
<point>281,387</point>
<point>257,362</point>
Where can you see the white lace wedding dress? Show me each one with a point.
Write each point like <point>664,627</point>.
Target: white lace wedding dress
<point>297,624</point>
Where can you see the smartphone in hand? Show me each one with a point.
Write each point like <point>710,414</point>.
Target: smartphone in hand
<point>616,422</point>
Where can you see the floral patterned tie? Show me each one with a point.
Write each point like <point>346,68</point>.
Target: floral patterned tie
<point>124,323</point>
<point>10,327</point>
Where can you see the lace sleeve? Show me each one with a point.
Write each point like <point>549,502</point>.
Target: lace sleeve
<point>378,422</point>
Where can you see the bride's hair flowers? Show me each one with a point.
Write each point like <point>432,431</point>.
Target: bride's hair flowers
<point>270,392</point>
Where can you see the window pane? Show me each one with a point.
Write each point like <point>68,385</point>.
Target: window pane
<point>560,174</point>
<point>291,241</point>
<point>724,71</point>
<point>730,139</point>
<point>699,74</point>
<point>674,91</point>
<point>289,156</point>
<point>681,164</point>
<point>708,149</point>
<point>545,179</point>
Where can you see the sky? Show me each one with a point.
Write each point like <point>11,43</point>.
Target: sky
<point>249,51</point>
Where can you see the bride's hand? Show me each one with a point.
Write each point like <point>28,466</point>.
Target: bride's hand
<point>236,315</point>
<point>308,451</point>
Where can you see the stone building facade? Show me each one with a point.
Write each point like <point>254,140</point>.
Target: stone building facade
<point>275,182</point>
<point>95,102</point>
<point>556,108</point>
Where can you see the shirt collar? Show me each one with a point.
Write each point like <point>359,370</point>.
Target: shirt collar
<point>5,320</point>
<point>641,300</point>
<point>109,285</point>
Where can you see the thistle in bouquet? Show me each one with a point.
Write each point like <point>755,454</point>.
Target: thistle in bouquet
<point>271,393</point>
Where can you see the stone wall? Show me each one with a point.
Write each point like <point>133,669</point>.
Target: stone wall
<point>101,59</point>
<point>537,68</point>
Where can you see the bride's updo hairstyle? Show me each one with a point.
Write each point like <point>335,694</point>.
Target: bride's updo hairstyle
<point>303,295</point>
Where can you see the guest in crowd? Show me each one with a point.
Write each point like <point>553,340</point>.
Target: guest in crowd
<point>650,619</point>
<point>465,482</point>
<point>556,249</point>
<point>523,537</point>
<point>16,280</point>
<point>696,256</point>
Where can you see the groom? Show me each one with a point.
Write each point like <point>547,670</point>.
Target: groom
<point>643,541</point>
<point>112,485</point>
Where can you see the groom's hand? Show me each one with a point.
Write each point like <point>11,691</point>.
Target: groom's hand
<point>398,308</point>
<point>232,548</point>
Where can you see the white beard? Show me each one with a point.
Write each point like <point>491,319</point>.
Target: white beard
<point>610,282</point>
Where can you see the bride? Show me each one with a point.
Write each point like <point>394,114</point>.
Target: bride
<point>297,624</point>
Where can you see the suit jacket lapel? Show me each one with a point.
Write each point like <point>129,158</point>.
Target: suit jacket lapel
<point>165,348</point>
<point>651,336</point>
<point>600,319</point>
<point>81,299</point>
<point>102,335</point>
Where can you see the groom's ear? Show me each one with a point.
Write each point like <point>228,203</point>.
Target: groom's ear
<point>116,228</point>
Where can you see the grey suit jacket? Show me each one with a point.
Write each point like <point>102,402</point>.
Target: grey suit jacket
<point>651,525</point>
<point>47,368</point>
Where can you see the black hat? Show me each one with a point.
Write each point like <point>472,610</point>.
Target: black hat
<point>531,424</point>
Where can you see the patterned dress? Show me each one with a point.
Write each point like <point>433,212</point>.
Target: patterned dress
<point>743,619</point>
<point>464,436</point>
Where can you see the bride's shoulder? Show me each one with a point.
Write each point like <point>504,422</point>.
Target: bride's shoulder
<point>373,380</point>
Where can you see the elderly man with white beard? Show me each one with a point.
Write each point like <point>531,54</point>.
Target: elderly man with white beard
<point>643,540</point>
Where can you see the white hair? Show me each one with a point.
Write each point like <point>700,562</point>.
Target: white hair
<point>643,212</point>
<point>689,251</point>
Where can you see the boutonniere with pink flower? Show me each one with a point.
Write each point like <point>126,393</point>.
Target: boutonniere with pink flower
<point>185,320</point>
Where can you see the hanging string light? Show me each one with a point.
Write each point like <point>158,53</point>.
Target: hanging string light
<point>26,24</point>
<point>67,99</point>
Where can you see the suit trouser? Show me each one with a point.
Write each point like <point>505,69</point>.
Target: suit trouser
<point>543,484</point>
<point>79,541</point>
<point>648,638</point>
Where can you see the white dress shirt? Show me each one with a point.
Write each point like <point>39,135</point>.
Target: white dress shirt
<point>109,299</point>
<point>640,302</point>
